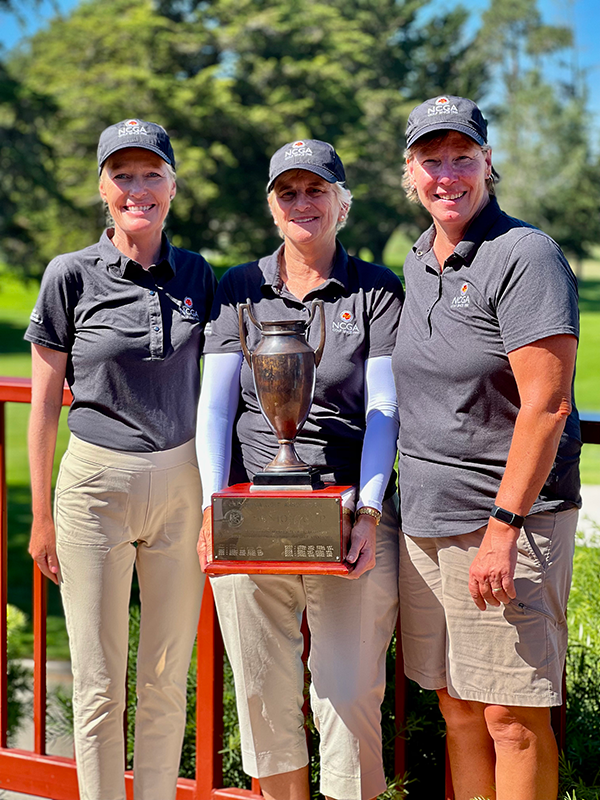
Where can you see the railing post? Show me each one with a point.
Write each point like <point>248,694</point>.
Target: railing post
<point>209,699</point>
<point>400,707</point>
<point>3,585</point>
<point>40,593</point>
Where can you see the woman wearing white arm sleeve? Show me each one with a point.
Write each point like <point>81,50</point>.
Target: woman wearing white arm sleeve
<point>350,435</point>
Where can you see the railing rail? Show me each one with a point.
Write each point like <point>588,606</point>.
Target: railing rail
<point>34,772</point>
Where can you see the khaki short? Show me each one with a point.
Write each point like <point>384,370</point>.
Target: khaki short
<point>507,655</point>
<point>351,623</point>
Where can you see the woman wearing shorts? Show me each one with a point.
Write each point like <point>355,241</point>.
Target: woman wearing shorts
<point>350,434</point>
<point>489,449</point>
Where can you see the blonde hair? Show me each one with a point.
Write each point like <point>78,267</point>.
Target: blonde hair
<point>344,197</point>
<point>432,141</point>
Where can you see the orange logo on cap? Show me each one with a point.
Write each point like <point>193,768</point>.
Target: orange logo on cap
<point>298,144</point>
<point>132,122</point>
<point>441,101</point>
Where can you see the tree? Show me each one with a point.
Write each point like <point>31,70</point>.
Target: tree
<point>26,180</point>
<point>232,80</point>
<point>549,175</point>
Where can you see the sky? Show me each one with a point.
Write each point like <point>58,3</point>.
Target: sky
<point>582,15</point>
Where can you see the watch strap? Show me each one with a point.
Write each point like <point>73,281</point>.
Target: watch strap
<point>507,516</point>
<point>371,512</point>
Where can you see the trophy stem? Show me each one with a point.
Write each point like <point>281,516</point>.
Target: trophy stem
<point>287,459</point>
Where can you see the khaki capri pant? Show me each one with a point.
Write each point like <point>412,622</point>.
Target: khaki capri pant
<point>351,624</point>
<point>509,655</point>
<point>113,510</point>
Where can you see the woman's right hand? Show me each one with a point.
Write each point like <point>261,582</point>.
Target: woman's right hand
<point>204,547</point>
<point>42,548</point>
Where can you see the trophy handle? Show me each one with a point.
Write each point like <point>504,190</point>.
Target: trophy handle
<point>242,327</point>
<point>319,351</point>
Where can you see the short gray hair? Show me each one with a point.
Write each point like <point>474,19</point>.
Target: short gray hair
<point>344,196</point>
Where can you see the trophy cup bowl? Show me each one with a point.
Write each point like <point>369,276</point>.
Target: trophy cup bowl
<point>284,370</point>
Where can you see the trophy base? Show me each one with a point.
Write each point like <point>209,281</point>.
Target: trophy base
<point>291,531</point>
<point>308,480</point>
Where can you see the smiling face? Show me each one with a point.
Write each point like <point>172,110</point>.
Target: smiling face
<point>305,208</point>
<point>138,188</point>
<point>449,176</point>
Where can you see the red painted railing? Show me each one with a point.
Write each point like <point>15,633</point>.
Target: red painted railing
<point>35,772</point>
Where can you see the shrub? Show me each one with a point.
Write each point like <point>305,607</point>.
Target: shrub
<point>19,680</point>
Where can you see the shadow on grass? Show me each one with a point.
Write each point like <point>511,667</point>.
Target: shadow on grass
<point>589,295</point>
<point>12,340</point>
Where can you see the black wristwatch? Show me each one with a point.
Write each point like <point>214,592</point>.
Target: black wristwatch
<point>507,516</point>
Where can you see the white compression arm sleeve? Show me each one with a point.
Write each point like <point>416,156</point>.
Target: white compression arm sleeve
<point>381,434</point>
<point>217,408</point>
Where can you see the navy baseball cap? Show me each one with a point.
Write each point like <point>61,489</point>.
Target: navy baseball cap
<point>446,113</point>
<point>309,154</point>
<point>135,133</point>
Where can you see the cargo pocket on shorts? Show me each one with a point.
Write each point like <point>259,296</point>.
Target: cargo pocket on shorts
<point>527,610</point>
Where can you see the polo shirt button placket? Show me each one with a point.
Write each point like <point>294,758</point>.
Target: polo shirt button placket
<point>156,345</point>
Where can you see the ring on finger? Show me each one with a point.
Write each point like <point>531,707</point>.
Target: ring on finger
<point>498,589</point>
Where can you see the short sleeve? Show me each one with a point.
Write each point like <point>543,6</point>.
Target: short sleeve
<point>537,294</point>
<point>221,334</point>
<point>52,320</point>
<point>385,307</point>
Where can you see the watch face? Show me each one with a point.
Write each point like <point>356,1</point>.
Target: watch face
<point>508,516</point>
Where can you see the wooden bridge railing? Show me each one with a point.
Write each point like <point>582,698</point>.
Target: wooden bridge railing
<point>37,773</point>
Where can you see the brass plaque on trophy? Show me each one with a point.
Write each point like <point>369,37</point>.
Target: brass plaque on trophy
<point>288,520</point>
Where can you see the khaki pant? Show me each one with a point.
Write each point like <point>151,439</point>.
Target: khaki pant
<point>351,624</point>
<point>506,655</point>
<point>113,510</point>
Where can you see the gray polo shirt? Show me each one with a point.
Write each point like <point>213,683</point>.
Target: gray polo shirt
<point>505,286</point>
<point>362,305</point>
<point>134,338</point>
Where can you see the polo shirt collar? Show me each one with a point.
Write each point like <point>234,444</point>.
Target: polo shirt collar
<point>114,258</point>
<point>271,276</point>
<point>477,231</point>
<point>466,250</point>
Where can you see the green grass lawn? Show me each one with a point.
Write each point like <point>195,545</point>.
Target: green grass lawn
<point>16,302</point>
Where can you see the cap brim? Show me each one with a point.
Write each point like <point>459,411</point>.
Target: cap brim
<point>322,172</point>
<point>445,125</point>
<point>128,145</point>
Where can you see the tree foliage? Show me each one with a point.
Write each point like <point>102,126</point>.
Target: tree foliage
<point>550,176</point>
<point>232,80</point>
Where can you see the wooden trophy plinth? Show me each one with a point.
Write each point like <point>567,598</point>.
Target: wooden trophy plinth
<point>278,530</point>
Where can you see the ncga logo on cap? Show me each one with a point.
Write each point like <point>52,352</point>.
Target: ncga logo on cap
<point>132,126</point>
<point>299,148</point>
<point>442,106</point>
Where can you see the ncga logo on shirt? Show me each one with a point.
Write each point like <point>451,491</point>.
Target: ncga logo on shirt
<point>462,300</point>
<point>346,324</point>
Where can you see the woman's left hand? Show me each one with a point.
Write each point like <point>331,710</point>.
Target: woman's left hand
<point>363,538</point>
<point>204,546</point>
<point>491,577</point>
